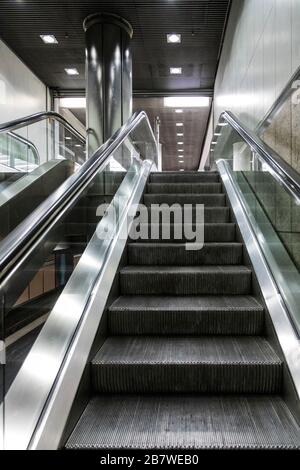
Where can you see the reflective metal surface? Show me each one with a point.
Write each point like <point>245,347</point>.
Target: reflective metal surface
<point>37,117</point>
<point>290,88</point>
<point>19,240</point>
<point>33,411</point>
<point>283,172</point>
<point>109,76</point>
<point>288,339</point>
<point>28,143</point>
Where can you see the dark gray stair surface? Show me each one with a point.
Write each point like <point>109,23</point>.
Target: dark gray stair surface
<point>211,214</point>
<point>170,254</point>
<point>186,177</point>
<point>156,315</point>
<point>186,363</point>
<point>210,200</point>
<point>213,232</point>
<point>185,422</point>
<point>187,280</point>
<point>192,188</point>
<point>203,364</point>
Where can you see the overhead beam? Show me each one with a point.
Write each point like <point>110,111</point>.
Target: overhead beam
<point>60,93</point>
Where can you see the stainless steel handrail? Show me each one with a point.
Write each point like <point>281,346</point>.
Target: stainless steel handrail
<point>28,143</point>
<point>291,87</point>
<point>37,117</point>
<point>282,170</point>
<point>14,245</point>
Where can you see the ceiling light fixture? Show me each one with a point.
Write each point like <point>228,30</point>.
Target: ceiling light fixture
<point>48,39</point>
<point>213,143</point>
<point>68,138</point>
<point>72,103</point>
<point>72,71</point>
<point>175,70</point>
<point>178,111</point>
<point>186,101</point>
<point>179,124</point>
<point>180,150</point>
<point>180,143</point>
<point>174,38</point>
<point>180,134</point>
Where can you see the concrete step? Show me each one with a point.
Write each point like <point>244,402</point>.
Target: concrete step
<point>196,315</point>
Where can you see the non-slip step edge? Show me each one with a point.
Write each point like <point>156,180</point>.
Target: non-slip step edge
<point>185,422</point>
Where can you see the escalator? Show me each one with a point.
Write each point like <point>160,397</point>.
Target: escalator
<point>37,154</point>
<point>154,339</point>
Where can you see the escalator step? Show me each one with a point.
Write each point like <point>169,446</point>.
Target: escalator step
<point>210,200</point>
<point>185,422</point>
<point>159,254</point>
<point>189,280</point>
<point>213,315</point>
<point>179,187</point>
<point>184,177</point>
<point>207,364</point>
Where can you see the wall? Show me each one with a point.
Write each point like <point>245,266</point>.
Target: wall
<point>21,94</point>
<point>261,51</point>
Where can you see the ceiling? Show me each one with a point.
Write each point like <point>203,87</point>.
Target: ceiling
<point>200,22</point>
<point>201,25</point>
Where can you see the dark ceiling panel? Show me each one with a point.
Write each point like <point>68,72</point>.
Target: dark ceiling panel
<point>200,23</point>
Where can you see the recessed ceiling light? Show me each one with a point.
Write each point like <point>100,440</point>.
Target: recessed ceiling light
<point>180,150</point>
<point>179,124</point>
<point>68,138</point>
<point>175,70</point>
<point>213,143</point>
<point>48,39</point>
<point>180,143</point>
<point>179,111</point>
<point>217,134</point>
<point>77,145</point>
<point>186,101</point>
<point>180,134</point>
<point>174,38</point>
<point>72,71</point>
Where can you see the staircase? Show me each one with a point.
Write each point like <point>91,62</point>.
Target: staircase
<point>186,363</point>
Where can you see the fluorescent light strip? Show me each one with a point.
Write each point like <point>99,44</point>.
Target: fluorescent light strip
<point>186,101</point>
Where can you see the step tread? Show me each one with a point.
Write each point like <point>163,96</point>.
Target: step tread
<point>186,269</point>
<point>185,188</point>
<point>185,422</point>
<point>185,350</point>
<point>189,303</point>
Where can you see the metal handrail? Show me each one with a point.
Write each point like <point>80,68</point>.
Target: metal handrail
<point>28,143</point>
<point>37,117</point>
<point>289,178</point>
<point>291,87</point>
<point>24,235</point>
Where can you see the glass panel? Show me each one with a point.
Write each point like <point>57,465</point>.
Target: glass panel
<point>273,212</point>
<point>32,291</point>
<point>34,161</point>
